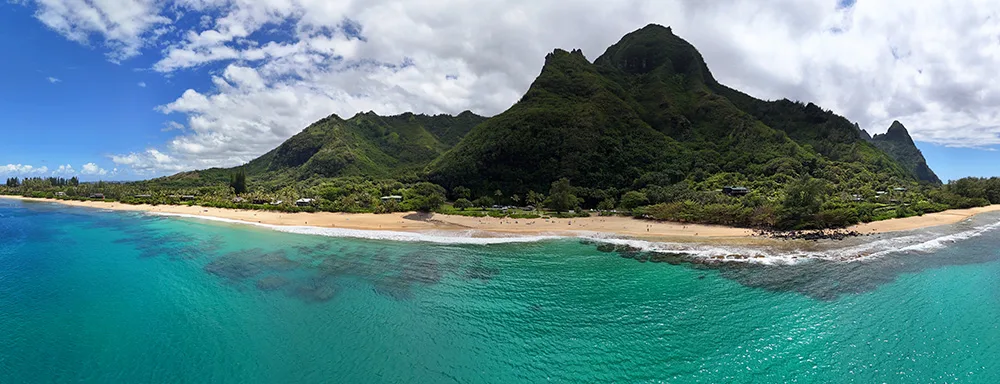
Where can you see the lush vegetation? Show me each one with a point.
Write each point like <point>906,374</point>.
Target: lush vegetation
<point>644,130</point>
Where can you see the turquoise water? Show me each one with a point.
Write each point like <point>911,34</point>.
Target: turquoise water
<point>89,296</point>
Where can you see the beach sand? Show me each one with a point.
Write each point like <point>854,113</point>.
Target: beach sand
<point>596,225</point>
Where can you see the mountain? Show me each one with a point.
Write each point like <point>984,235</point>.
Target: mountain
<point>367,144</point>
<point>898,144</point>
<point>649,111</point>
<point>645,125</point>
<point>572,122</point>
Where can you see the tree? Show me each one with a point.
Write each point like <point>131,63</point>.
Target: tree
<point>561,197</point>
<point>463,204</point>
<point>484,202</point>
<point>461,192</point>
<point>74,181</point>
<point>803,199</point>
<point>634,199</point>
<point>970,187</point>
<point>238,182</point>
<point>13,182</point>
<point>498,195</point>
<point>535,199</point>
<point>424,196</point>
<point>516,199</point>
<point>388,206</point>
<point>606,205</point>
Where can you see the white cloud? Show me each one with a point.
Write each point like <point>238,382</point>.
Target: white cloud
<point>122,25</point>
<point>64,170</point>
<point>929,64</point>
<point>53,80</point>
<point>172,126</point>
<point>142,84</point>
<point>151,161</point>
<point>92,169</point>
<point>22,170</point>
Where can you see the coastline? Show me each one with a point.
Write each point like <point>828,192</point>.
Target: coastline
<point>597,226</point>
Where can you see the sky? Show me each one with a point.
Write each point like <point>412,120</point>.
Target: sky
<point>133,89</point>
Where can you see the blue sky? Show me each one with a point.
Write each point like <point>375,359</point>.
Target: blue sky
<point>132,89</point>
<point>64,103</point>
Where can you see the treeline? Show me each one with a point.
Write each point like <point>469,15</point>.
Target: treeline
<point>802,203</point>
<point>14,182</point>
<point>974,191</point>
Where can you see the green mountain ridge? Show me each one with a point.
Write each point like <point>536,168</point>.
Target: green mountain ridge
<point>366,145</point>
<point>714,135</point>
<point>572,122</point>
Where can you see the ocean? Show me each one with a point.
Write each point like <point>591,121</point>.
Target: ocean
<point>122,297</point>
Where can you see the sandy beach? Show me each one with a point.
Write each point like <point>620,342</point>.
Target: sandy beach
<point>413,222</point>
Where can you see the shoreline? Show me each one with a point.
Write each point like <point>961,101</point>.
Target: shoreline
<point>496,227</point>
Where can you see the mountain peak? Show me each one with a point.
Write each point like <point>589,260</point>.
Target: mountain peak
<point>653,27</point>
<point>897,133</point>
<point>897,143</point>
<point>656,48</point>
<point>559,54</point>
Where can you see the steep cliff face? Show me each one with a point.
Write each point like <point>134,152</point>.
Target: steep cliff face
<point>898,144</point>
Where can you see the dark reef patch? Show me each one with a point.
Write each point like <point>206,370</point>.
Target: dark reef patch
<point>317,289</point>
<point>271,283</point>
<point>394,287</point>
<point>248,263</point>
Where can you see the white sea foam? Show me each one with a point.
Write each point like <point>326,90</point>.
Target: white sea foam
<point>914,242</point>
<point>919,242</point>
<point>439,237</point>
<point>714,252</point>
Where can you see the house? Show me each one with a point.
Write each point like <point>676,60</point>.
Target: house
<point>880,193</point>
<point>260,201</point>
<point>60,194</point>
<point>857,197</point>
<point>142,196</point>
<point>304,202</point>
<point>392,198</point>
<point>899,189</point>
<point>735,191</point>
<point>277,202</point>
<point>97,196</point>
<point>239,200</point>
<point>187,197</point>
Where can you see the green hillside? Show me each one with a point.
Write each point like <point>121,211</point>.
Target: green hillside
<point>368,145</point>
<point>572,123</point>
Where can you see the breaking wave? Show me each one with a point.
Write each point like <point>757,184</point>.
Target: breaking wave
<point>864,248</point>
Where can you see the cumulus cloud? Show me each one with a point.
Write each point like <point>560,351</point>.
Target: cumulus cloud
<point>172,126</point>
<point>64,170</point>
<point>122,26</point>
<point>92,169</point>
<point>287,63</point>
<point>53,80</point>
<point>142,84</point>
<point>152,161</point>
<point>22,170</point>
